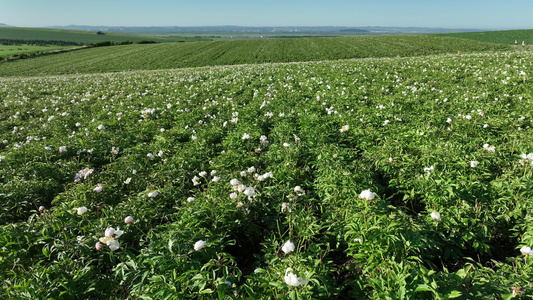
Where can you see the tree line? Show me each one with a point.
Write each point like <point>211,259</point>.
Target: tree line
<point>19,42</point>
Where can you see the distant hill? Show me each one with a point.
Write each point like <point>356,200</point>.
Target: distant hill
<point>264,30</point>
<point>4,25</point>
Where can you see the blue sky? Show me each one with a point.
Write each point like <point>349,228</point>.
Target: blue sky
<point>482,14</point>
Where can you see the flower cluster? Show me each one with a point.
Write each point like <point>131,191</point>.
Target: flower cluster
<point>241,188</point>
<point>293,279</point>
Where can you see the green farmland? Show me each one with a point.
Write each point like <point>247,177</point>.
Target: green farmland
<point>390,167</point>
<point>198,54</point>
<point>503,37</point>
<point>14,49</point>
<point>79,36</point>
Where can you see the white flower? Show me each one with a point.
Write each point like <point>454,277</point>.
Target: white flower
<point>249,192</point>
<point>345,128</point>
<point>449,121</point>
<point>109,232</point>
<point>435,216</point>
<point>82,210</point>
<point>160,153</point>
<point>215,179</point>
<point>245,136</point>
<point>98,188</point>
<point>202,173</point>
<point>196,180</point>
<point>526,251</point>
<point>251,170</point>
<point>190,199</point>
<point>113,244</point>
<point>468,117</point>
<point>134,172</point>
<point>473,164</point>
<point>386,122</point>
<point>128,219</point>
<point>41,208</point>
<point>62,149</point>
<point>367,195</point>
<point>199,245</point>
<point>358,240</point>
<point>292,279</point>
<point>193,137</point>
<point>288,247</point>
<point>286,145</point>
<point>83,174</point>
<point>101,127</point>
<point>526,158</point>
<point>128,180</point>
<point>486,126</point>
<point>150,156</point>
<point>489,148</point>
<point>285,207</point>
<point>299,191</point>
<point>153,194</point>
<point>263,140</point>
<point>234,182</point>
<point>428,170</point>
<point>240,187</point>
<point>233,196</point>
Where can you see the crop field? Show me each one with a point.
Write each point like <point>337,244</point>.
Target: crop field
<point>378,178</point>
<point>198,54</point>
<point>13,49</point>
<point>79,36</point>
<point>507,37</point>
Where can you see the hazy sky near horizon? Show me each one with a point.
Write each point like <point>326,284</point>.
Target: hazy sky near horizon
<point>473,14</point>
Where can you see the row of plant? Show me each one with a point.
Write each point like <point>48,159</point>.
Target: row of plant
<point>198,54</point>
<point>379,178</point>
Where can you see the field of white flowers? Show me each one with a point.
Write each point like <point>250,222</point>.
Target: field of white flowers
<point>364,179</point>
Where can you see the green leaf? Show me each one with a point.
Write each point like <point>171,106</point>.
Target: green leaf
<point>423,288</point>
<point>454,294</point>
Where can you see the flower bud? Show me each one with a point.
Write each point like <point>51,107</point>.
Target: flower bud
<point>98,246</point>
